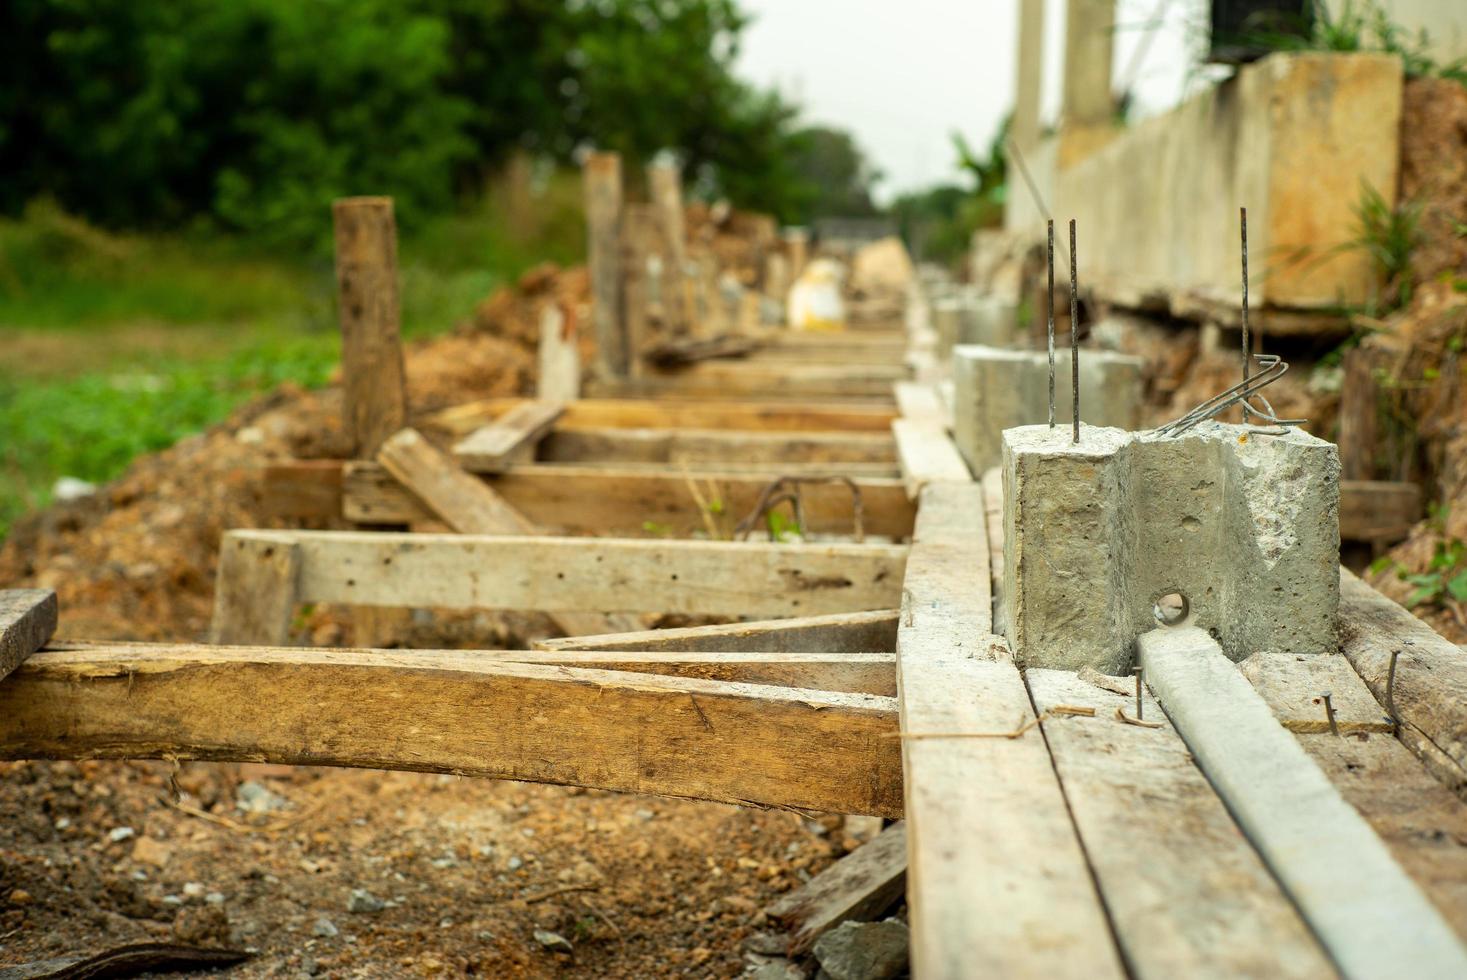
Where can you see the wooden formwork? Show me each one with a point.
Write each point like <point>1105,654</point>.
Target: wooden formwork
<point>1043,833</point>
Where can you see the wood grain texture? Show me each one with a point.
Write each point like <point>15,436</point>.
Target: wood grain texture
<point>255,589</point>
<point>607,413</point>
<point>466,504</point>
<point>452,711</point>
<point>1378,510</point>
<point>809,383</point>
<point>997,884</point>
<point>1186,893</point>
<point>629,502</point>
<point>511,438</point>
<point>859,632</point>
<point>715,578</point>
<point>1292,684</point>
<point>1430,693</point>
<point>709,446</point>
<point>927,455</point>
<point>601,177</point>
<point>853,673</point>
<point>857,888</point>
<point>28,621</point>
<point>374,393</point>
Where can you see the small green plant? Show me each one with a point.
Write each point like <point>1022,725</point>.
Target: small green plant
<point>1445,577</point>
<point>783,527</point>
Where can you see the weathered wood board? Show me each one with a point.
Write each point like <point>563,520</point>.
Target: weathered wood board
<point>664,413</point>
<point>857,888</point>
<point>453,711</point>
<point>510,438</point>
<point>859,632</point>
<point>727,450</point>
<point>27,623</point>
<point>255,590</point>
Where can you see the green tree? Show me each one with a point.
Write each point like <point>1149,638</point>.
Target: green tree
<point>836,172</point>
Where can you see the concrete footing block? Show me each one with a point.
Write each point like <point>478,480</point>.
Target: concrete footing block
<point>1225,528</point>
<point>997,389</point>
<point>968,317</point>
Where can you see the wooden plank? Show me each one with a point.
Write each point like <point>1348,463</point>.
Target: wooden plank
<point>713,578</point>
<point>601,176</point>
<point>302,488</point>
<point>508,439</point>
<point>466,504</point>
<point>1378,510</point>
<point>998,884</point>
<point>859,632</point>
<point>452,711</point>
<point>470,506</point>
<point>1421,822</point>
<point>853,673</point>
<point>374,393</point>
<point>857,888</point>
<point>1430,691</point>
<point>626,413</point>
<point>28,621</point>
<point>255,590</point>
<point>728,449</point>
<point>1359,419</point>
<point>559,376</point>
<point>629,502</point>
<point>790,385</point>
<point>927,455</point>
<point>1186,893</point>
<point>921,403</point>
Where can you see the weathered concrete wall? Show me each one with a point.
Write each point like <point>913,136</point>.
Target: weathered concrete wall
<point>1244,525</point>
<point>1291,137</point>
<point>996,389</point>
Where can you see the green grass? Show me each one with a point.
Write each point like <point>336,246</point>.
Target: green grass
<point>113,345</point>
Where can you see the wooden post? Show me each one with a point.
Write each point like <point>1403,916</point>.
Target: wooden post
<point>254,596</point>
<point>1029,74</point>
<point>797,247</point>
<point>560,357</point>
<point>1089,36</point>
<point>665,187</point>
<point>602,178</point>
<point>374,390</point>
<point>1358,417</point>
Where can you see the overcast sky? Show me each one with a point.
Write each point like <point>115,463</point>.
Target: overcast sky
<point>902,76</point>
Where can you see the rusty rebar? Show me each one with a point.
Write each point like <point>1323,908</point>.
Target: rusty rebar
<point>1074,340</point>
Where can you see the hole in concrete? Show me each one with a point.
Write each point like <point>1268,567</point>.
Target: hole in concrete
<point>1171,609</point>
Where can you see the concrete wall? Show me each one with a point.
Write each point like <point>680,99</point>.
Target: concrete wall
<point>1291,137</point>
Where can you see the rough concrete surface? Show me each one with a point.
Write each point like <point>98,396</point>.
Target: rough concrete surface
<point>1244,525</point>
<point>997,388</point>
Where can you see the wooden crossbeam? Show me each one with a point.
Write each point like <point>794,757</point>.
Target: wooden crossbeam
<point>775,451</point>
<point>591,413</point>
<point>27,622</point>
<point>854,673</point>
<point>795,383</point>
<point>624,501</point>
<point>1378,510</point>
<point>455,711</point>
<point>859,632</point>
<point>547,574</point>
<point>927,455</point>
<point>508,439</point>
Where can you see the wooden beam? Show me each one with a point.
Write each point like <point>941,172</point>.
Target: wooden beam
<point>927,455</point>
<point>853,673</point>
<point>1195,900</point>
<point>602,180</point>
<point>859,632</point>
<point>302,488</point>
<point>921,403</point>
<point>1378,510</point>
<point>857,888</point>
<point>998,883</point>
<point>798,383</point>
<point>628,502</point>
<point>1430,690</point>
<point>374,394</point>
<point>466,504</point>
<point>452,711</point>
<point>630,413</point>
<point>509,439</point>
<point>255,588</point>
<point>28,621</point>
<point>469,506</point>
<point>728,450</point>
<point>714,578</point>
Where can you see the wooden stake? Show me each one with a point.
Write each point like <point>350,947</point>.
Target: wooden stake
<point>374,390</point>
<point>665,187</point>
<point>602,177</point>
<point>560,357</point>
